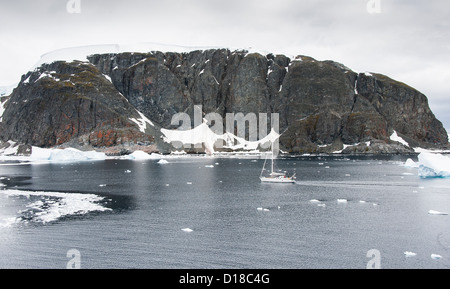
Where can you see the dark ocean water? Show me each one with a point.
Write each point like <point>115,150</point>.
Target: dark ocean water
<point>203,212</point>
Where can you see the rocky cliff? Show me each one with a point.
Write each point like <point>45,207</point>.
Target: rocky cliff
<point>124,99</point>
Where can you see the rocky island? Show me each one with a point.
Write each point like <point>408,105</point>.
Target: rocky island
<point>119,102</point>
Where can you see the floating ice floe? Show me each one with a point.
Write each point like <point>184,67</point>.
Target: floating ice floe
<point>433,212</point>
<point>209,166</point>
<point>343,201</point>
<point>127,171</point>
<point>314,201</point>
<point>8,222</point>
<point>162,162</point>
<point>50,206</point>
<point>436,256</point>
<point>409,254</point>
<point>433,165</point>
<point>187,230</point>
<point>263,209</point>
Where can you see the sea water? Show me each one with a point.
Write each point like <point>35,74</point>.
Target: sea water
<point>212,212</point>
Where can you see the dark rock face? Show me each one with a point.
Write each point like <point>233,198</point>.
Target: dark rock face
<point>321,104</point>
<point>64,101</point>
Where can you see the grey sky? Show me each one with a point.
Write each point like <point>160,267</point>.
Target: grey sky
<point>408,41</point>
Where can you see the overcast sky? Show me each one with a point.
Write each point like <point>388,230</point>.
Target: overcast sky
<point>408,40</point>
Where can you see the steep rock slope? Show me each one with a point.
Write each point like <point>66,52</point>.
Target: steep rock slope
<point>62,102</point>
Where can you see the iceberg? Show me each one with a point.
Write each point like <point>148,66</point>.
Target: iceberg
<point>64,155</point>
<point>433,165</point>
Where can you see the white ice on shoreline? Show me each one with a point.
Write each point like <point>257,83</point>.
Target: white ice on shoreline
<point>64,155</point>
<point>140,155</point>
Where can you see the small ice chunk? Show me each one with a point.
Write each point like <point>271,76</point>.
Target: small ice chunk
<point>162,162</point>
<point>342,201</point>
<point>321,205</point>
<point>187,230</point>
<point>139,155</point>
<point>209,166</point>
<point>314,201</point>
<point>362,202</point>
<point>189,183</point>
<point>436,256</point>
<point>127,171</point>
<point>102,185</point>
<point>410,164</point>
<point>409,254</point>
<point>433,212</point>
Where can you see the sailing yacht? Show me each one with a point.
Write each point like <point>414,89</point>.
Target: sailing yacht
<point>275,177</point>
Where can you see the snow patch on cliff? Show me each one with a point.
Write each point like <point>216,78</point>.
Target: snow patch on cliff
<point>142,121</point>
<point>395,137</point>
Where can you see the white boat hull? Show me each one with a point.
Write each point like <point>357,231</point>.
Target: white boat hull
<point>277,180</point>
